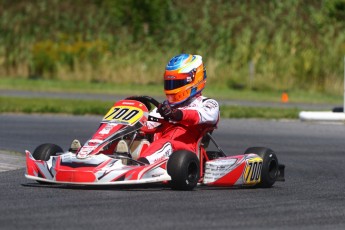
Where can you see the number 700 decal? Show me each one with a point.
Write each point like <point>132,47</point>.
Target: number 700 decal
<point>123,114</point>
<point>252,172</point>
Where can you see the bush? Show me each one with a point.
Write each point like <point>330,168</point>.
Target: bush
<point>246,44</point>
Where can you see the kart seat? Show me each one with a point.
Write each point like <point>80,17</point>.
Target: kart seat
<point>206,139</point>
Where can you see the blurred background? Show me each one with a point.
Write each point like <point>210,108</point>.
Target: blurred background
<point>252,45</point>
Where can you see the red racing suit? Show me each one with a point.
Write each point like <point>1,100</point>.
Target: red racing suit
<point>199,113</point>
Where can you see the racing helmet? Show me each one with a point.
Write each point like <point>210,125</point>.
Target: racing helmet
<point>184,77</point>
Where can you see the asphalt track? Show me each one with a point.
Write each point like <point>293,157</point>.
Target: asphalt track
<point>311,198</point>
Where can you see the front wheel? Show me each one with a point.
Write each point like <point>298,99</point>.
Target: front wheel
<point>270,166</point>
<point>184,168</point>
<point>45,151</point>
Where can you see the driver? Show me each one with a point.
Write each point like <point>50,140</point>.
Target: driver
<point>187,113</point>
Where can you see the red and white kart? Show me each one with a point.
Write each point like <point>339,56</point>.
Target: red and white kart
<point>97,162</point>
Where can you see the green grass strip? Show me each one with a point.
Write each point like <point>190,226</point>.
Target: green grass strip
<point>95,107</point>
<point>44,105</point>
<point>258,112</point>
<point>217,92</point>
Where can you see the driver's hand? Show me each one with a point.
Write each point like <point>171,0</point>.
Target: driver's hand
<point>169,113</point>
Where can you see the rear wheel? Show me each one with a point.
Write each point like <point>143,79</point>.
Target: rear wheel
<point>270,169</point>
<point>184,168</point>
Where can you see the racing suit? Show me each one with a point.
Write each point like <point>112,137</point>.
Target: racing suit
<point>198,114</point>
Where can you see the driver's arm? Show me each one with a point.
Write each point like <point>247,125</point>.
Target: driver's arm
<point>208,113</point>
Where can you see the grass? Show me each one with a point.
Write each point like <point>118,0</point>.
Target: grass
<point>48,105</point>
<point>261,112</point>
<point>283,45</point>
<point>217,92</point>
<point>76,86</point>
<point>94,107</point>
<point>121,47</point>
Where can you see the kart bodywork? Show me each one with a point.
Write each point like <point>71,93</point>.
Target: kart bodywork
<point>98,163</point>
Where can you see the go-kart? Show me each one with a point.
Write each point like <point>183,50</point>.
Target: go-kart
<point>98,161</point>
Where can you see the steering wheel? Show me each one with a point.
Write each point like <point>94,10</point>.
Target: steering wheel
<point>146,100</point>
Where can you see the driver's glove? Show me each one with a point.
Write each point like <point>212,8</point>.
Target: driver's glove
<point>169,113</point>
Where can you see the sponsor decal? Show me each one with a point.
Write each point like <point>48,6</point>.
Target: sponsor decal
<point>69,159</point>
<point>211,104</point>
<point>85,150</point>
<point>106,129</point>
<point>157,175</point>
<point>218,168</point>
<point>161,154</point>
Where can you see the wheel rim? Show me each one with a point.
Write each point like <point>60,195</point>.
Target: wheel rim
<point>192,172</point>
<point>273,169</point>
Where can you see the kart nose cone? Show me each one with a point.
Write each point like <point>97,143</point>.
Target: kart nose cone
<point>75,176</point>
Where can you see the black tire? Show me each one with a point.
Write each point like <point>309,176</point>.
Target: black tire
<point>338,110</point>
<point>269,171</point>
<point>184,168</point>
<point>45,151</point>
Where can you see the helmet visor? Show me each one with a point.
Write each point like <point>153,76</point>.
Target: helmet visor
<point>174,84</point>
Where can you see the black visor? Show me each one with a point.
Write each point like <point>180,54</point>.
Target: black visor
<point>174,84</point>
